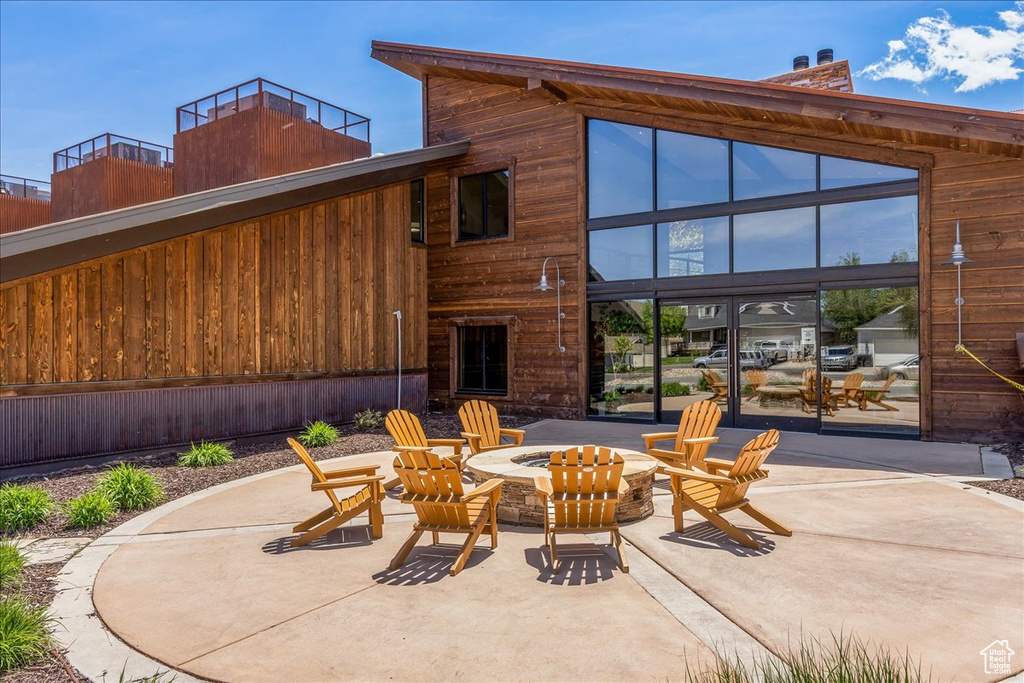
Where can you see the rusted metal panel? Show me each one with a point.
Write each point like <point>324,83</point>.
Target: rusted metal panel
<point>106,184</point>
<point>18,213</point>
<point>37,429</point>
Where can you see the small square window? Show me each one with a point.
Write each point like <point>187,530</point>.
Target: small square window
<point>417,224</point>
<point>482,360</point>
<point>484,205</point>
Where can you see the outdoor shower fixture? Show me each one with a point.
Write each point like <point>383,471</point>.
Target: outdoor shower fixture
<point>545,287</point>
<point>958,259</point>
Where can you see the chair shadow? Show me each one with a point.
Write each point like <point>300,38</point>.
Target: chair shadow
<point>705,535</point>
<point>430,564</point>
<point>335,539</point>
<point>582,564</point>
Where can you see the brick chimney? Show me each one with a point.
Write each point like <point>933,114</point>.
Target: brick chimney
<point>826,75</point>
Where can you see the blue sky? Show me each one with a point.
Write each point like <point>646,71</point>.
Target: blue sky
<point>70,71</point>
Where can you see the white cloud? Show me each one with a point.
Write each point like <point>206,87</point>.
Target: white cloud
<point>975,56</point>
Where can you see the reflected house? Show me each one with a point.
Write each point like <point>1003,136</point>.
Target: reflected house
<point>886,338</point>
<point>682,210</point>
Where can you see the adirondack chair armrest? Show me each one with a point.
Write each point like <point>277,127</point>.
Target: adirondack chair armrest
<point>543,486</point>
<point>664,454</point>
<point>469,436</point>
<point>411,449</point>
<point>700,439</point>
<point>516,434</point>
<point>343,483</point>
<point>650,439</point>
<point>453,443</point>
<point>486,488</point>
<point>352,471</point>
<point>716,464</point>
<point>698,475</point>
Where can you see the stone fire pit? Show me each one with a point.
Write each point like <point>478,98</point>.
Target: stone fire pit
<point>519,503</point>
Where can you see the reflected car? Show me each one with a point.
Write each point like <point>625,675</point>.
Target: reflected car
<point>749,360</point>
<point>840,358</point>
<point>908,369</point>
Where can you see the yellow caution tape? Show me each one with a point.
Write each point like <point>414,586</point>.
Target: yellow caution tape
<point>1016,385</point>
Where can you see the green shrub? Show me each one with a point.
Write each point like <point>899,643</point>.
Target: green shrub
<point>12,562</point>
<point>318,434</point>
<point>369,419</point>
<point>89,510</point>
<point>24,633</point>
<point>671,389</point>
<point>206,454</point>
<point>845,660</point>
<point>129,488</point>
<point>22,507</point>
<point>702,384</point>
<point>613,395</point>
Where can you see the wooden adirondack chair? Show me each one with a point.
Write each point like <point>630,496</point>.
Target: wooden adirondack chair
<point>483,433</point>
<point>433,486</point>
<point>755,379</point>
<point>809,394</point>
<point>719,389</point>
<point>406,430</point>
<point>866,395</point>
<point>580,497</point>
<point>848,392</point>
<point>712,493</point>
<point>367,498</point>
<point>695,434</point>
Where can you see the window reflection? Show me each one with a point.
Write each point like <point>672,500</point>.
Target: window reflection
<point>694,247</point>
<point>837,172</point>
<point>619,169</point>
<point>774,240</point>
<point>874,231</point>
<point>692,170</point>
<point>766,171</point>
<point>621,254</point>
<point>621,359</point>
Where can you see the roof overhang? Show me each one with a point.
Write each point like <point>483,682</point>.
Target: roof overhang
<point>56,245</point>
<point>934,125</point>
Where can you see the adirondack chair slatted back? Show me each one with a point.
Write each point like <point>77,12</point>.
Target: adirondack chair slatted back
<point>888,383</point>
<point>711,376</point>
<point>585,484</point>
<point>405,428</point>
<point>480,417</point>
<point>852,381</point>
<point>699,420</point>
<point>434,487</point>
<point>314,469</point>
<point>747,467</point>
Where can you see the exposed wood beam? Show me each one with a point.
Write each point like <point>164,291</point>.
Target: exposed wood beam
<point>551,90</point>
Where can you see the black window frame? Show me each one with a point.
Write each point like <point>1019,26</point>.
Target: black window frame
<point>417,187</point>
<point>457,331</point>
<point>460,235</point>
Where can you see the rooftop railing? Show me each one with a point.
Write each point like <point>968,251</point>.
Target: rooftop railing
<point>117,146</point>
<point>24,187</point>
<point>260,92</point>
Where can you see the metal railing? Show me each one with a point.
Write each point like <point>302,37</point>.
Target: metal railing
<point>110,145</point>
<point>24,187</point>
<point>260,92</point>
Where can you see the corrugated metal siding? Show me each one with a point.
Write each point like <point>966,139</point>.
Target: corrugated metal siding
<point>106,184</point>
<point>37,429</point>
<point>18,213</point>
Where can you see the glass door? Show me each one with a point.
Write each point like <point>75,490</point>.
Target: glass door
<point>776,362</point>
<point>695,359</point>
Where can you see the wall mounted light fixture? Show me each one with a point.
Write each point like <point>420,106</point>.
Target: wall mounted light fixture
<point>545,287</point>
<point>958,259</point>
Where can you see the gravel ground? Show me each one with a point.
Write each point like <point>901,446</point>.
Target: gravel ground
<point>177,481</point>
<point>1014,488</point>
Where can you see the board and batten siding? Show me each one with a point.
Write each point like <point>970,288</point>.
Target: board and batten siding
<point>536,141</point>
<point>305,291</point>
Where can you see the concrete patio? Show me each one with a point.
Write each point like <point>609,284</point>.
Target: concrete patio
<point>888,544</point>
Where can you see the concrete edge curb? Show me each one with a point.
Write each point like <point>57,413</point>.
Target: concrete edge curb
<point>994,464</point>
<point>92,648</point>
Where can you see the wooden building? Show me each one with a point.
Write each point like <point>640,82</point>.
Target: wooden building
<point>24,203</point>
<point>573,240</point>
<point>569,139</point>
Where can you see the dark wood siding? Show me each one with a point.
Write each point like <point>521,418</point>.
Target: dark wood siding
<point>253,144</point>
<point>306,291</point>
<point>18,213</point>
<point>106,184</point>
<point>987,195</point>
